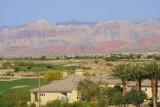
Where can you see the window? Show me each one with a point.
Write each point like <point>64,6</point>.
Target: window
<point>145,89</point>
<point>63,96</point>
<point>42,94</point>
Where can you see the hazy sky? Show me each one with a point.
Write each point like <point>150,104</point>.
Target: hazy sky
<point>17,12</point>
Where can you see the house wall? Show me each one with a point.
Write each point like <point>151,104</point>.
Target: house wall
<point>73,96</point>
<point>45,97</point>
<point>148,91</point>
<point>33,97</point>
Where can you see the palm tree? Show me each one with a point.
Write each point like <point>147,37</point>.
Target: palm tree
<point>153,73</point>
<point>120,71</point>
<point>136,73</point>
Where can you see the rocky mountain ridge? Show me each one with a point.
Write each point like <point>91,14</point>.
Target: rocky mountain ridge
<point>44,38</point>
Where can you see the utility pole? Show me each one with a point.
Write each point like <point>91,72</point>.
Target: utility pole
<point>39,89</point>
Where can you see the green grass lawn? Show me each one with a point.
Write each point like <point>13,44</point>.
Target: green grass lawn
<point>70,67</point>
<point>30,83</point>
<point>45,67</point>
<point>40,67</point>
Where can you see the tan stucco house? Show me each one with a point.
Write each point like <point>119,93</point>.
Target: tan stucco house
<point>145,86</point>
<point>60,89</point>
<point>67,89</point>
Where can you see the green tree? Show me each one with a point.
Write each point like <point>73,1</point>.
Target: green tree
<point>97,94</point>
<point>43,58</point>
<point>112,58</point>
<point>135,97</point>
<point>131,56</point>
<point>138,56</point>
<point>88,90</point>
<point>153,73</point>
<point>120,71</point>
<point>117,99</point>
<point>136,73</point>
<point>13,100</point>
<point>53,75</point>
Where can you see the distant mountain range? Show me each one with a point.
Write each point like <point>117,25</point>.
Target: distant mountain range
<point>45,38</point>
<point>74,22</point>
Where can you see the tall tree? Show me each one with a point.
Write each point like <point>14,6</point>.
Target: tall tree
<point>136,73</point>
<point>121,72</point>
<point>153,73</point>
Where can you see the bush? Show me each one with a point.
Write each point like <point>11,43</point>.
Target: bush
<point>58,103</point>
<point>53,75</point>
<point>109,64</point>
<point>96,61</point>
<point>22,103</point>
<point>80,104</point>
<point>86,74</point>
<point>135,97</point>
<point>12,100</point>
<point>49,66</point>
<point>117,99</point>
<point>96,104</point>
<point>9,73</point>
<point>6,65</point>
<point>43,58</point>
<point>24,63</point>
<point>32,105</point>
<point>16,96</point>
<point>54,103</point>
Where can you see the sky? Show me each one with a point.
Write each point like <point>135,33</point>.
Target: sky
<point>19,12</point>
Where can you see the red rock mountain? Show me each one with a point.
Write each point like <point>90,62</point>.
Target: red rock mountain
<point>45,38</point>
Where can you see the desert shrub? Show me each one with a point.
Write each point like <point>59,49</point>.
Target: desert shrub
<point>16,96</point>
<point>96,61</point>
<point>10,100</point>
<point>87,74</point>
<point>55,103</point>
<point>109,64</point>
<point>6,65</point>
<point>24,63</point>
<point>53,75</point>
<point>8,73</point>
<point>22,103</point>
<point>32,105</point>
<point>80,104</point>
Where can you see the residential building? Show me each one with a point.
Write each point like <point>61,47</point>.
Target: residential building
<point>67,89</point>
